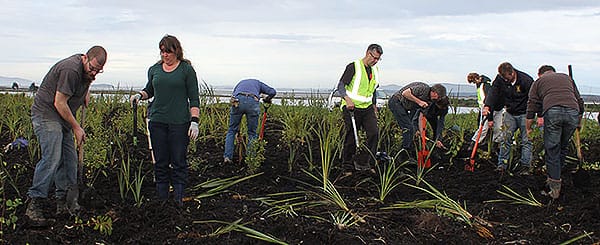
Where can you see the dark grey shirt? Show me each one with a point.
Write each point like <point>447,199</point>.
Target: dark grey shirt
<point>419,90</point>
<point>67,77</point>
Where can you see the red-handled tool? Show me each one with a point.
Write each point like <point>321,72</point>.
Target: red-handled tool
<point>423,155</point>
<point>264,120</point>
<point>471,165</point>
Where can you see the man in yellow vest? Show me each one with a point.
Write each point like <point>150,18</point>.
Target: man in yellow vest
<point>357,88</point>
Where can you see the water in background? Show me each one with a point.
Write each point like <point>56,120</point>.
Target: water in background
<point>295,98</point>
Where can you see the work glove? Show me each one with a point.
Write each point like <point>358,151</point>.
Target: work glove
<point>193,131</point>
<point>267,100</point>
<point>134,99</point>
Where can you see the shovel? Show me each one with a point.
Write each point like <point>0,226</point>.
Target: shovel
<point>148,133</point>
<point>423,155</point>
<point>73,191</point>
<point>576,134</point>
<point>578,147</point>
<point>471,165</point>
<point>264,120</point>
<point>135,139</point>
<point>354,129</point>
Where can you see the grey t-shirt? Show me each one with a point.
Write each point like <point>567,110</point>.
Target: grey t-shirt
<point>418,89</point>
<point>66,76</point>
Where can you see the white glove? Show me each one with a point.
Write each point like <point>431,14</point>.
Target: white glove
<point>193,131</point>
<point>134,99</point>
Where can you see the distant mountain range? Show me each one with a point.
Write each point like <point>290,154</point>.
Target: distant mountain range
<point>589,94</point>
<point>7,82</point>
<point>453,90</point>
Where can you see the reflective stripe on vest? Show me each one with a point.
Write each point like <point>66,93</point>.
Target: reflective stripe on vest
<point>361,92</point>
<point>481,94</point>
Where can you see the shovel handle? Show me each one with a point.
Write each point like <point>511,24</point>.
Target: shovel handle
<point>578,145</point>
<point>135,107</point>
<point>354,127</point>
<point>80,144</point>
<point>423,156</point>
<point>80,153</point>
<point>262,125</point>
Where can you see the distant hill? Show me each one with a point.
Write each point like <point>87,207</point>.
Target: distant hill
<point>453,90</point>
<point>102,86</point>
<point>6,82</point>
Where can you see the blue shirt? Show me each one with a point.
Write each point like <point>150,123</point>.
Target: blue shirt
<point>255,87</point>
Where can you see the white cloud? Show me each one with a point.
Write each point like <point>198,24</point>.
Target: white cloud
<point>305,43</point>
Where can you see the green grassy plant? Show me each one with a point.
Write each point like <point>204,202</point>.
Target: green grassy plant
<point>243,228</point>
<point>389,176</point>
<point>516,198</point>
<point>296,130</point>
<point>577,238</point>
<point>6,177</point>
<point>329,193</point>
<point>329,134</point>
<point>287,203</point>
<point>218,186</point>
<point>123,178</point>
<point>256,156</point>
<point>136,186</point>
<point>100,223</point>
<point>344,219</point>
<point>9,208</point>
<point>441,202</point>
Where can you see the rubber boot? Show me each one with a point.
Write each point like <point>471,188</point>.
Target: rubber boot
<point>72,200</point>
<point>36,215</point>
<point>61,206</point>
<point>162,191</point>
<point>554,186</point>
<point>179,192</point>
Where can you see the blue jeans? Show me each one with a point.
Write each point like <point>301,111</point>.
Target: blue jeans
<point>510,124</point>
<point>559,125</point>
<point>249,106</point>
<point>59,159</point>
<point>169,143</point>
<point>405,119</point>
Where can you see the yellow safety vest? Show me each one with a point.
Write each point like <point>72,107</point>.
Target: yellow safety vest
<point>361,92</point>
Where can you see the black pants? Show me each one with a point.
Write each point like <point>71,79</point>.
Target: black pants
<point>367,120</point>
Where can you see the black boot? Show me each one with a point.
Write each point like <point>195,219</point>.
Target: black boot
<point>162,191</point>
<point>35,213</point>
<point>179,192</point>
<point>61,206</point>
<point>72,200</point>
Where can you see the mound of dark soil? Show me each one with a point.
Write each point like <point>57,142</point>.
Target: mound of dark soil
<point>577,211</point>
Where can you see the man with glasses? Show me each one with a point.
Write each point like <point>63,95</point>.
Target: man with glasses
<point>510,90</point>
<point>63,90</point>
<point>357,88</point>
<point>405,105</point>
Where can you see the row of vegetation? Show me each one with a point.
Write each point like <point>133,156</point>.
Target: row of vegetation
<point>311,133</point>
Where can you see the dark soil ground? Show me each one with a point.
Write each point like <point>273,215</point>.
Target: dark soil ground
<point>575,213</point>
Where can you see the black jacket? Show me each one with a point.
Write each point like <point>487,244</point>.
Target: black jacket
<point>512,97</point>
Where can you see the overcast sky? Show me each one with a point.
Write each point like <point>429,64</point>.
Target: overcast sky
<point>306,44</point>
